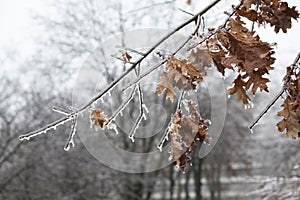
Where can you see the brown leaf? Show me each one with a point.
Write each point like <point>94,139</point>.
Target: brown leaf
<point>186,130</point>
<point>98,119</point>
<point>200,58</point>
<point>291,106</point>
<point>180,74</point>
<point>250,14</point>
<point>249,3</point>
<point>240,48</point>
<point>126,57</point>
<point>166,85</point>
<point>239,88</point>
<point>291,118</point>
<point>275,12</point>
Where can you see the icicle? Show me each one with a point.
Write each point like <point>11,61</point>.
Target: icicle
<point>160,147</point>
<point>183,172</point>
<point>229,96</point>
<point>69,145</point>
<point>177,167</point>
<point>145,107</point>
<point>166,138</point>
<point>121,113</point>
<point>251,104</point>
<point>113,126</point>
<point>67,148</point>
<point>245,107</point>
<point>144,116</point>
<point>116,130</point>
<point>251,130</point>
<point>191,164</point>
<point>109,93</point>
<point>131,138</point>
<point>101,99</point>
<point>93,106</point>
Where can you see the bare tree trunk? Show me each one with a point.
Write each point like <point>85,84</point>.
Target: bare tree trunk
<point>179,188</point>
<point>172,182</point>
<point>197,169</point>
<point>186,186</point>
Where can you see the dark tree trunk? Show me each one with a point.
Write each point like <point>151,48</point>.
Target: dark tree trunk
<point>197,169</point>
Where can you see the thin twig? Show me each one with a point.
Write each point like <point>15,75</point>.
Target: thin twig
<point>118,58</point>
<point>142,107</point>
<point>70,142</point>
<point>151,6</point>
<point>166,59</point>
<point>60,110</point>
<point>186,12</point>
<point>266,109</point>
<point>140,117</point>
<point>220,28</point>
<point>165,136</point>
<point>69,117</point>
<point>121,108</point>
<point>254,123</point>
<point>131,50</point>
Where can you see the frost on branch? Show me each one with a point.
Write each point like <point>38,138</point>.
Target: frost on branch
<point>180,74</point>
<point>291,105</point>
<point>184,134</point>
<point>276,13</point>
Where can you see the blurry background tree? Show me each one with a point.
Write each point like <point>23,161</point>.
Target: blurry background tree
<point>40,169</point>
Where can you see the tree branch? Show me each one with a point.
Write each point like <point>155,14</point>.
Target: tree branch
<point>254,123</point>
<point>94,100</point>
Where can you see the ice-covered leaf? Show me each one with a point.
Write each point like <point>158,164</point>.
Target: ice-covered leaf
<point>291,106</point>
<point>179,74</point>
<point>186,131</point>
<point>97,119</point>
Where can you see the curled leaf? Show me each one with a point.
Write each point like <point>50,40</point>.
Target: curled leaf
<point>97,119</point>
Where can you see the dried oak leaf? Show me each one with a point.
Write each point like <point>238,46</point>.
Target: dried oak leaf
<point>275,12</point>
<point>239,88</point>
<point>187,70</point>
<point>180,74</point>
<point>249,13</point>
<point>97,119</point>
<point>200,58</point>
<point>166,85</point>
<point>126,57</point>
<point>219,55</point>
<point>238,47</point>
<point>249,3</point>
<point>291,105</point>
<point>185,132</point>
<point>291,118</point>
